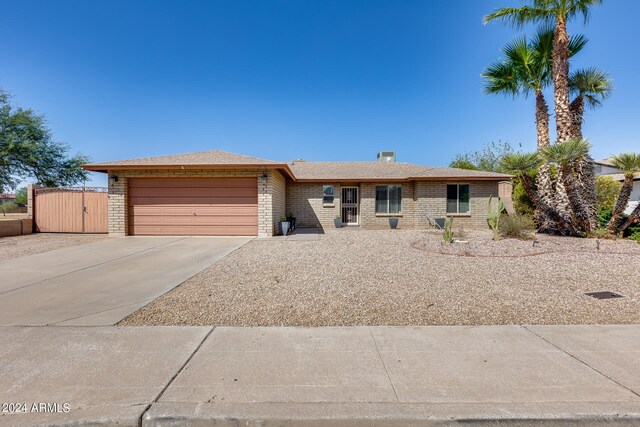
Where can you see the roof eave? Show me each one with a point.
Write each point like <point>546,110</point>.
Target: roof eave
<point>105,168</point>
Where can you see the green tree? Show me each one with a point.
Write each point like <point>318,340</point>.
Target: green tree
<point>27,151</point>
<point>21,195</point>
<point>7,207</point>
<point>488,158</point>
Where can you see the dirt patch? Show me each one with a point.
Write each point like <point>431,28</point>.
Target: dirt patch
<point>408,277</point>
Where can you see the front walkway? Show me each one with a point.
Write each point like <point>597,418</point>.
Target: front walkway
<point>354,375</point>
<point>102,282</point>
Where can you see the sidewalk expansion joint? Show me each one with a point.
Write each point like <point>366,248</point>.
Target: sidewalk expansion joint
<point>193,353</point>
<point>581,361</point>
<point>383,365</point>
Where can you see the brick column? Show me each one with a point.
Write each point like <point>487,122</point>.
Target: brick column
<point>118,221</point>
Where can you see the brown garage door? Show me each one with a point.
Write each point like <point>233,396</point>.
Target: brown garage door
<point>193,206</point>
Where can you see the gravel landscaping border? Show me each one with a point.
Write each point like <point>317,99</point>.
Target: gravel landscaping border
<point>408,277</point>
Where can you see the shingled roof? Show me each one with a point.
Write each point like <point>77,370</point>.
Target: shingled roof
<point>371,171</point>
<point>300,170</point>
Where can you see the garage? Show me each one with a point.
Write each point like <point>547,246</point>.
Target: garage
<point>193,206</point>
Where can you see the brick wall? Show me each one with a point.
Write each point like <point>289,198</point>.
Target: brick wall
<point>368,216</point>
<point>419,200</point>
<point>118,215</point>
<point>304,201</point>
<point>277,185</point>
<point>432,201</point>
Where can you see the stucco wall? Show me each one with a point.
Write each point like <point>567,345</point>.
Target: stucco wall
<point>118,215</point>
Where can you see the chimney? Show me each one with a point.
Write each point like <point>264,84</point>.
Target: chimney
<point>387,156</point>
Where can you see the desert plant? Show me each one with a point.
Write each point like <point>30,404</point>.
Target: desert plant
<point>448,230</point>
<point>8,207</point>
<point>602,233</point>
<point>493,217</point>
<point>517,226</point>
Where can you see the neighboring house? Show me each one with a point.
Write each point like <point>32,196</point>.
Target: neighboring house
<point>220,193</point>
<point>7,198</point>
<point>606,168</point>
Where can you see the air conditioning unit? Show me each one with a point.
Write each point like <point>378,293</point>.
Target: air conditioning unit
<point>387,156</point>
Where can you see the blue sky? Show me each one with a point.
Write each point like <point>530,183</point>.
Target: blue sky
<point>319,80</point>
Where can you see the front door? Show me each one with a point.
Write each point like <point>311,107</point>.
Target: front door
<point>349,204</point>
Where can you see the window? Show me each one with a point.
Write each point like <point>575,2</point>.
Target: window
<point>327,194</point>
<point>458,198</point>
<point>388,199</point>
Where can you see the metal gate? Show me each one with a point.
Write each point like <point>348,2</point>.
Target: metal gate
<point>70,210</point>
<point>349,204</point>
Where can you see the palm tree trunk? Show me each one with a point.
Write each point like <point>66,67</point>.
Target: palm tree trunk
<point>584,167</point>
<point>560,58</point>
<point>544,182</point>
<point>621,203</point>
<point>579,216</point>
<point>556,223</point>
<point>633,218</point>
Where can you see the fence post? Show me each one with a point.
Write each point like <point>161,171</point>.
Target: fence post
<point>31,203</point>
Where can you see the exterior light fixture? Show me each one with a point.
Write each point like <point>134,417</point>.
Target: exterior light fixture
<point>113,179</point>
<point>264,177</point>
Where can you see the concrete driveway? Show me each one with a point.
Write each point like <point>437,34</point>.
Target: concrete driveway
<point>102,282</point>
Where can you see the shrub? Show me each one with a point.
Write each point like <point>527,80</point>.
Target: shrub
<point>604,215</point>
<point>517,226</point>
<point>635,236</point>
<point>7,207</point>
<point>602,233</point>
<point>521,201</point>
<point>607,191</point>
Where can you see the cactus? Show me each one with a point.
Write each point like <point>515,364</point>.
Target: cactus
<point>448,230</point>
<point>493,217</point>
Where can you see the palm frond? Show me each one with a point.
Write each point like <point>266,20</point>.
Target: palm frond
<point>593,84</point>
<point>628,162</point>
<point>500,77</point>
<point>577,43</point>
<point>519,16</point>
<point>567,152</point>
<point>519,163</point>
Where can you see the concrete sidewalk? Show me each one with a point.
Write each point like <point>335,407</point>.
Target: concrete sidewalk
<point>162,376</point>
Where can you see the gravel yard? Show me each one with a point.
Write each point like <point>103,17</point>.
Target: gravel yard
<point>18,246</point>
<point>407,277</point>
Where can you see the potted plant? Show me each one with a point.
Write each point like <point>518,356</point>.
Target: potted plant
<point>284,226</point>
<point>292,221</point>
<point>393,222</point>
<point>338,221</point>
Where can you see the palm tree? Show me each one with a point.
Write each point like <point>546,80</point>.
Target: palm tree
<point>522,165</point>
<point>526,69</point>
<point>558,12</point>
<point>590,86</point>
<point>565,155</point>
<point>630,164</point>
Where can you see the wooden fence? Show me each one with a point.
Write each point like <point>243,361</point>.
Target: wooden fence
<point>70,210</point>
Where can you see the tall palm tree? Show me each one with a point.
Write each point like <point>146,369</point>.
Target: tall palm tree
<point>522,165</point>
<point>558,12</point>
<point>565,155</point>
<point>630,164</point>
<point>525,70</point>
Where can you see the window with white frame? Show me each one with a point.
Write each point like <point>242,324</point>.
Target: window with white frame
<point>458,198</point>
<point>327,194</point>
<point>388,199</point>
